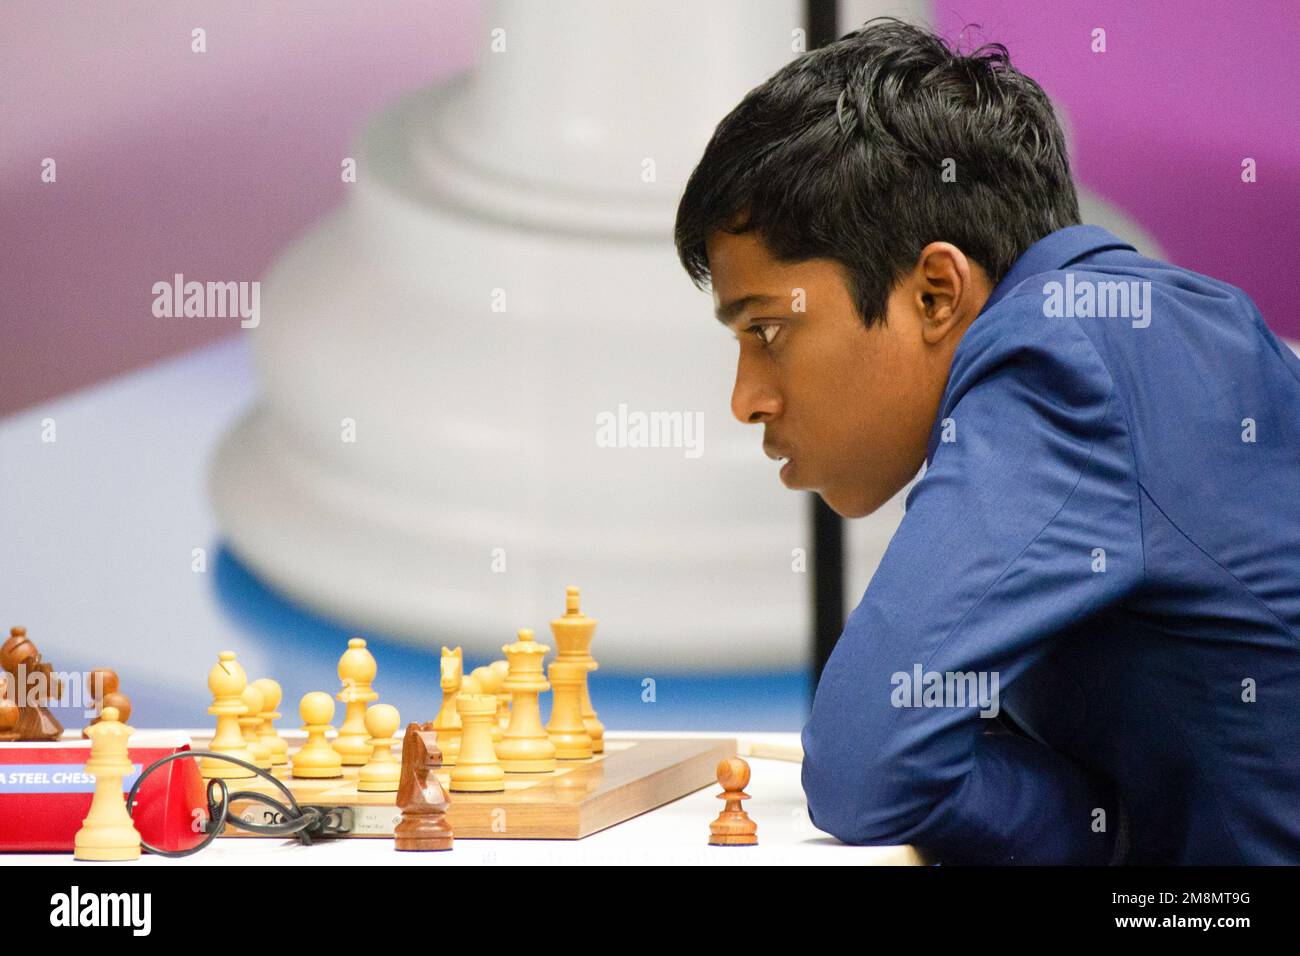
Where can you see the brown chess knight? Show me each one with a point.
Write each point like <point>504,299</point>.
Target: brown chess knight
<point>420,796</point>
<point>31,686</point>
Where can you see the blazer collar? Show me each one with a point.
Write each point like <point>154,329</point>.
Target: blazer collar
<point>1055,251</point>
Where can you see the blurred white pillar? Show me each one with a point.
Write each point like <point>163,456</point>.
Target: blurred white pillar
<point>474,490</point>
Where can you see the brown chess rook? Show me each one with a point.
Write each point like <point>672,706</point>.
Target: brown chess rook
<point>733,827</point>
<point>420,796</point>
<point>33,685</point>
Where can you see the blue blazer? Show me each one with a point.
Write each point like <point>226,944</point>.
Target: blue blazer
<point>1106,542</point>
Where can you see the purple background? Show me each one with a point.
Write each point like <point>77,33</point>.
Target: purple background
<point>170,161</point>
<point>1161,121</point>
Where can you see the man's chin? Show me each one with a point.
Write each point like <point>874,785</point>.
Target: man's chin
<point>846,506</point>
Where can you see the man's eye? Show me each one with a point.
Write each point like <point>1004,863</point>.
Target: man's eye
<point>765,333</point>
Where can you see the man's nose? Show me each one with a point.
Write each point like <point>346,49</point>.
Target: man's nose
<point>754,400</point>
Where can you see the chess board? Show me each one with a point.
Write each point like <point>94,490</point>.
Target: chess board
<point>578,798</point>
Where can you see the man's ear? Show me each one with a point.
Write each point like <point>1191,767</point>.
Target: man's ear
<point>946,290</point>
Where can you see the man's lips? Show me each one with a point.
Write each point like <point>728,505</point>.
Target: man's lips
<point>777,453</point>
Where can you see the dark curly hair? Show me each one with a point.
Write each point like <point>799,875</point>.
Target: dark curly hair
<point>841,154</point>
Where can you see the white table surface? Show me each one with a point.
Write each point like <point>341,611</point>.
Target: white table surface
<point>675,834</point>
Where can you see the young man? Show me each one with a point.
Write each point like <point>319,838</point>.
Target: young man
<point>1106,534</point>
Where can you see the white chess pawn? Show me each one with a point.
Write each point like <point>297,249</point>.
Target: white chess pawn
<point>251,724</point>
<point>489,681</point>
<point>382,771</point>
<point>503,695</point>
<point>316,759</point>
<point>277,745</point>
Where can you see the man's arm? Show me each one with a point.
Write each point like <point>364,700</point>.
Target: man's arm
<point>1001,548</point>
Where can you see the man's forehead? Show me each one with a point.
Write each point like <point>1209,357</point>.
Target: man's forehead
<point>740,253</point>
<point>743,274</point>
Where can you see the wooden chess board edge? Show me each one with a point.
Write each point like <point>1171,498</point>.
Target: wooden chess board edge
<point>640,775</point>
<point>659,788</point>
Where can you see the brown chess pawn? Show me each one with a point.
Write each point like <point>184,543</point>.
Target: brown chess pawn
<point>35,686</point>
<point>120,702</point>
<point>733,827</point>
<point>420,796</point>
<point>102,686</point>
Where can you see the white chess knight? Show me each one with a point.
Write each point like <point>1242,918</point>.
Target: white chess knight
<point>439,357</point>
